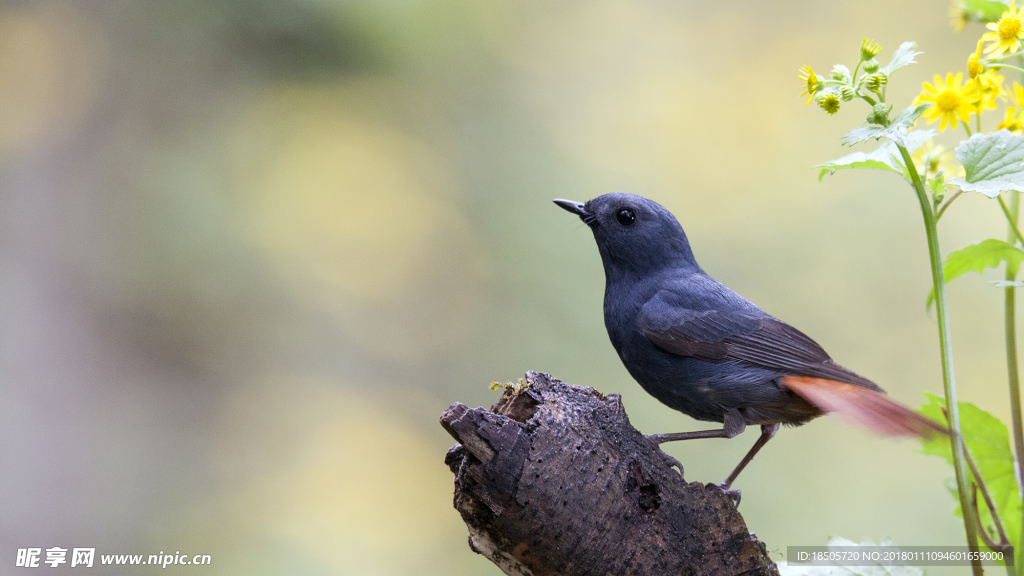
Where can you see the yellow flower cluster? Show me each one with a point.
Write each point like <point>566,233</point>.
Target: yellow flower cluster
<point>954,100</point>
<point>842,89</point>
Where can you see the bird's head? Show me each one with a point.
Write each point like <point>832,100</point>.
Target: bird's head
<point>634,235</point>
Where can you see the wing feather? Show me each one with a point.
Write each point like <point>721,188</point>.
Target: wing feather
<point>747,336</point>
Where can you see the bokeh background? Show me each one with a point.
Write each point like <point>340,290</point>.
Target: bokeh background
<point>251,249</point>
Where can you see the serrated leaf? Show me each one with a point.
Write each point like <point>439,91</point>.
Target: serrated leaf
<point>858,160</point>
<point>901,57</point>
<point>917,138</point>
<point>885,157</point>
<point>992,162</point>
<point>865,133</point>
<point>988,443</point>
<point>895,131</point>
<point>976,258</point>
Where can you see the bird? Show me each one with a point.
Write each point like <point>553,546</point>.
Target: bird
<point>702,349</point>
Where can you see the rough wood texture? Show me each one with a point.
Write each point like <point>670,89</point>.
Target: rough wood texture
<point>553,480</point>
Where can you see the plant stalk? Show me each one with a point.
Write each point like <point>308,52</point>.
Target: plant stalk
<point>946,349</point>
<point>1013,234</point>
<point>1021,70</point>
<point>942,210</point>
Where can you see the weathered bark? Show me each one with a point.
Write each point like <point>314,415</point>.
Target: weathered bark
<point>553,480</point>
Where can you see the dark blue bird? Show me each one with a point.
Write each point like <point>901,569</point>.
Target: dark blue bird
<point>706,351</point>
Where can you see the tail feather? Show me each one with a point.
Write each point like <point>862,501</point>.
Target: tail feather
<point>863,406</point>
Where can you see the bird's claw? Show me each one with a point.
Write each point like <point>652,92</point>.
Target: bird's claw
<point>672,462</point>
<point>734,494</point>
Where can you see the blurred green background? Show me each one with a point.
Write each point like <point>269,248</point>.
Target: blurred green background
<point>251,249</point>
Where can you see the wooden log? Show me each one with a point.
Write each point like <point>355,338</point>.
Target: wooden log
<point>553,480</point>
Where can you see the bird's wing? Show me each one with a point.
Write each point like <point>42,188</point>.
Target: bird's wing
<point>741,333</point>
<point>701,334</point>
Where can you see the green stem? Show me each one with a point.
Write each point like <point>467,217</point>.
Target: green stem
<point>1001,57</point>
<point>1006,66</point>
<point>1011,217</point>
<point>946,348</point>
<point>942,210</point>
<point>1014,235</point>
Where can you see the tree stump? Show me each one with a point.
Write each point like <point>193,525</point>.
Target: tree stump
<point>553,480</point>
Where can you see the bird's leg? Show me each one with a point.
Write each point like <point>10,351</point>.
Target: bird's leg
<point>767,431</point>
<point>733,425</point>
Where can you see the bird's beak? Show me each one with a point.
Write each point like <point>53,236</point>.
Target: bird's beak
<point>573,206</point>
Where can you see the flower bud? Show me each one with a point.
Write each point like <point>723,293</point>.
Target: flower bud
<point>974,67</point>
<point>876,82</point>
<point>846,93</point>
<point>871,66</point>
<point>829,102</point>
<point>841,73</point>
<point>868,49</point>
<point>974,64</point>
<point>880,114</point>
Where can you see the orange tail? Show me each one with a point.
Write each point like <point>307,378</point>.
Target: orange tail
<point>863,406</point>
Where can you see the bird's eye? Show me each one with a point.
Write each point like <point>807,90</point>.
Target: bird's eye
<point>626,217</point>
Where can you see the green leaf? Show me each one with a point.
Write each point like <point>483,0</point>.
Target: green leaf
<point>937,185</point>
<point>988,444</point>
<point>985,254</point>
<point>886,157</point>
<point>878,160</point>
<point>983,10</point>
<point>901,57</point>
<point>976,258</point>
<point>895,131</point>
<point>993,163</point>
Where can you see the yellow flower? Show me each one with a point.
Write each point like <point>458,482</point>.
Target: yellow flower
<point>869,49</point>
<point>974,65</point>
<point>1007,33</point>
<point>987,87</point>
<point>1017,96</point>
<point>811,83</point>
<point>934,158</point>
<point>829,102</point>
<point>948,100</point>
<point>957,15</point>
<point>1013,121</point>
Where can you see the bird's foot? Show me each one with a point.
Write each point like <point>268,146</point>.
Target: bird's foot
<point>734,494</point>
<point>672,462</point>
